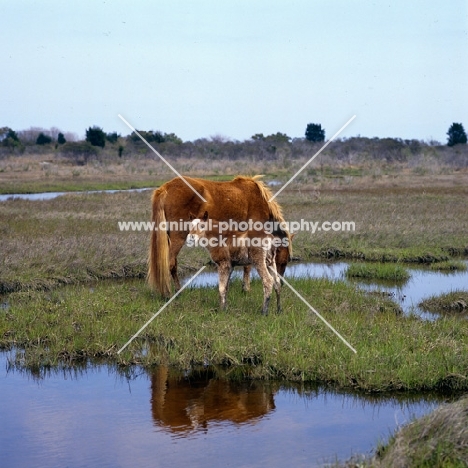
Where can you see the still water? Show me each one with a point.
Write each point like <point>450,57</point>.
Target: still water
<point>51,195</point>
<point>98,417</point>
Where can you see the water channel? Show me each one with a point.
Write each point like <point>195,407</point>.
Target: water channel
<point>51,195</point>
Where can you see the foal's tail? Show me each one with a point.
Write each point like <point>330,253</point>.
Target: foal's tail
<point>158,262</point>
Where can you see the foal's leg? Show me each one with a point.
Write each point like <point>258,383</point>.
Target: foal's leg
<point>267,280</point>
<point>246,278</point>
<point>176,243</point>
<point>224,273</point>
<point>276,285</point>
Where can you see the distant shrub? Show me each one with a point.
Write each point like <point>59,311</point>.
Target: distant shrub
<point>61,139</point>
<point>315,132</point>
<point>43,139</point>
<point>112,137</point>
<point>152,136</point>
<point>456,135</point>
<point>96,136</point>
<point>9,139</point>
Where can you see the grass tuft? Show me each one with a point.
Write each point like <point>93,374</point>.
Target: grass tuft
<point>452,302</point>
<point>379,271</point>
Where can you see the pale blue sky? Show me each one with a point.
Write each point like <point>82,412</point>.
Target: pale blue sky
<point>236,68</point>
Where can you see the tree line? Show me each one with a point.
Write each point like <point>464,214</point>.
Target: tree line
<point>259,147</point>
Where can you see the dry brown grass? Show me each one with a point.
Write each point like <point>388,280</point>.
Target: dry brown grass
<point>418,222</point>
<point>71,238</point>
<point>76,238</point>
<point>37,173</point>
<point>47,172</point>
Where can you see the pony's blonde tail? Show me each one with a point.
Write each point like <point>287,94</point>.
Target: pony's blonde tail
<point>158,262</point>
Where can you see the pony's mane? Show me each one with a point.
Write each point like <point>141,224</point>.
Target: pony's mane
<point>275,208</point>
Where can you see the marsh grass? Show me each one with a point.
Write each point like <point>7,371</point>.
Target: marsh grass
<point>452,302</point>
<point>75,324</point>
<point>379,271</point>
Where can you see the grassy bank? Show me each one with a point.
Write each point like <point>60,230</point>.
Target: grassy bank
<point>437,440</point>
<point>76,323</point>
<point>50,173</point>
<point>73,186</point>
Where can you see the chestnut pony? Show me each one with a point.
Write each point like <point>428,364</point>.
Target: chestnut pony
<point>241,199</point>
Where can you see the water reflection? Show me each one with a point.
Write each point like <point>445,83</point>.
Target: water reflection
<point>149,418</point>
<point>187,404</point>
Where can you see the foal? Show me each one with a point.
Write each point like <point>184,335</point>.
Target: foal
<point>234,248</point>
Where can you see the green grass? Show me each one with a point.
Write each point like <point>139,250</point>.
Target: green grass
<point>452,302</point>
<point>75,324</point>
<point>379,271</point>
<point>436,440</point>
<point>77,185</point>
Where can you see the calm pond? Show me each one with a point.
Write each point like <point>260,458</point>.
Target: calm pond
<point>98,417</point>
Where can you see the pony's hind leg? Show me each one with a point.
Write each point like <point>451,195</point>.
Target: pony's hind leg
<point>246,278</point>
<point>177,240</point>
